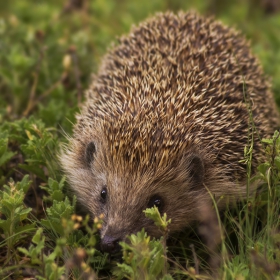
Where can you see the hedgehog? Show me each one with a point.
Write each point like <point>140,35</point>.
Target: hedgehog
<point>165,123</point>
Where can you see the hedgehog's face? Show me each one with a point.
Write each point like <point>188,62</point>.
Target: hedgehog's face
<point>121,195</point>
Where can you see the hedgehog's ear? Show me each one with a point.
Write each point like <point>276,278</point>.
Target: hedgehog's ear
<point>89,153</point>
<point>196,169</point>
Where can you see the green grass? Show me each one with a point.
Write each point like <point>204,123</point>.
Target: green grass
<point>48,51</point>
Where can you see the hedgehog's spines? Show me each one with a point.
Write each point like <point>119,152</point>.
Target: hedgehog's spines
<point>170,92</point>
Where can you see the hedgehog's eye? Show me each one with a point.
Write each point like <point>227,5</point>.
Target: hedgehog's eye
<point>157,201</point>
<point>89,153</point>
<point>103,195</point>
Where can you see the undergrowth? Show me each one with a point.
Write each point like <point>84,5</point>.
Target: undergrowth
<point>48,50</point>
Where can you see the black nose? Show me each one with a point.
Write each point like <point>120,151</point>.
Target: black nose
<point>110,244</point>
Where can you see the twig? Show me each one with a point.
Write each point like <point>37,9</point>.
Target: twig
<point>29,107</point>
<point>196,262</point>
<point>73,53</point>
<point>34,103</point>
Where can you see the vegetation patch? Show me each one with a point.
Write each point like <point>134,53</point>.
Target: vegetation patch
<point>48,52</point>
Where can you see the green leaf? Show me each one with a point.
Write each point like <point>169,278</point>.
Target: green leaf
<point>24,251</point>
<point>277,162</point>
<point>38,236</point>
<point>58,195</point>
<point>35,169</point>
<point>5,225</point>
<point>5,156</point>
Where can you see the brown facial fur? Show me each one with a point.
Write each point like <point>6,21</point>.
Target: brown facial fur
<point>166,115</point>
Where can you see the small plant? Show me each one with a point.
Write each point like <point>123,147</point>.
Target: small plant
<point>72,253</point>
<point>144,258</point>
<point>45,264</point>
<point>257,223</point>
<point>14,223</point>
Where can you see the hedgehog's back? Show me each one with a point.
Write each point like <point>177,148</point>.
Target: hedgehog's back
<point>178,81</point>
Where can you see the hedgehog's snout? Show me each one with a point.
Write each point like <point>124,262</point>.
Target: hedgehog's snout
<point>110,244</point>
<point>110,239</point>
